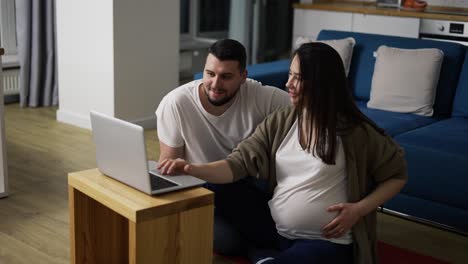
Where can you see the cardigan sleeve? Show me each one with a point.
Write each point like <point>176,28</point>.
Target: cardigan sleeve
<point>386,158</point>
<point>252,155</point>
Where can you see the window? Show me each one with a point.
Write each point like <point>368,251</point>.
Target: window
<point>204,19</point>
<point>184,16</point>
<point>8,31</point>
<point>213,19</point>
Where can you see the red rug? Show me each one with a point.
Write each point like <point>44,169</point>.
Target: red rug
<point>388,255</point>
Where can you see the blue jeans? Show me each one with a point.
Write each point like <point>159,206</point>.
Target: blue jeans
<point>244,226</point>
<point>242,217</point>
<point>312,251</point>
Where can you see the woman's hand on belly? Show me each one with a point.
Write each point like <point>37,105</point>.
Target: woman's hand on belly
<point>348,215</point>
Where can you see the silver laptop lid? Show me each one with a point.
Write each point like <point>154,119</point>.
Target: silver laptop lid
<point>117,141</point>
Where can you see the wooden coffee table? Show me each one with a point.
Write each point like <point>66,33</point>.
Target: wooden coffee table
<point>111,222</point>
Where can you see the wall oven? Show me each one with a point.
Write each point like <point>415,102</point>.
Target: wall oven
<point>444,30</point>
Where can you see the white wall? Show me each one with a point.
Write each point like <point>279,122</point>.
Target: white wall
<point>116,57</point>
<point>146,57</point>
<point>451,3</point>
<point>85,59</point>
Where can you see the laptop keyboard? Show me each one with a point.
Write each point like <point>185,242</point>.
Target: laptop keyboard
<point>158,183</point>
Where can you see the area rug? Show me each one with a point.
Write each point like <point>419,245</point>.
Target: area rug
<point>388,254</point>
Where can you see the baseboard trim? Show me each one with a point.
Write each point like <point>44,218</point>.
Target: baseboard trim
<point>82,121</point>
<point>73,119</point>
<point>146,122</point>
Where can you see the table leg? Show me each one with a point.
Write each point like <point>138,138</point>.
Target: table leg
<point>185,237</point>
<point>97,234</point>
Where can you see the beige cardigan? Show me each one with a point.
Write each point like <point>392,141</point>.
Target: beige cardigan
<point>371,158</point>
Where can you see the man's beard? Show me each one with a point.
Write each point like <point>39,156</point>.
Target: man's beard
<point>220,102</point>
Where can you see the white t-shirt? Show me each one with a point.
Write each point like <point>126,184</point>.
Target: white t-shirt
<point>306,188</point>
<point>182,120</point>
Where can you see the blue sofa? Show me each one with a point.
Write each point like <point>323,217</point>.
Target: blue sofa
<point>436,147</point>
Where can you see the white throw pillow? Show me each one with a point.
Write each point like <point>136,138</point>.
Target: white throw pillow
<point>344,47</point>
<point>405,80</point>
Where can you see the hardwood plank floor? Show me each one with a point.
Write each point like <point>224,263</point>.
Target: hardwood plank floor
<point>34,217</point>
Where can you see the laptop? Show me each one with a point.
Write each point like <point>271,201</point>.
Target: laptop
<point>121,155</point>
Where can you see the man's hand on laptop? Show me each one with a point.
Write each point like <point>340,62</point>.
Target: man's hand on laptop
<point>174,166</point>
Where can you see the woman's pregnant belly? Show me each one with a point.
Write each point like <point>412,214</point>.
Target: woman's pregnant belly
<point>303,213</point>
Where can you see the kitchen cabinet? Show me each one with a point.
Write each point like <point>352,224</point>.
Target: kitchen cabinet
<point>386,25</point>
<point>308,23</point>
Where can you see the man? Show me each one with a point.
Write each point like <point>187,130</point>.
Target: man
<point>204,120</point>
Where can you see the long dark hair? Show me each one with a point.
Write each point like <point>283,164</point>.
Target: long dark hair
<point>327,99</point>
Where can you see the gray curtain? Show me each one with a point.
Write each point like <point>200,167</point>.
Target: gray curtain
<point>35,26</point>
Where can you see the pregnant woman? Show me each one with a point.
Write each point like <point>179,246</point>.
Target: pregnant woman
<point>329,167</point>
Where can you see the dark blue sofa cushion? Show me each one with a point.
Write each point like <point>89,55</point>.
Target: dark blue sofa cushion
<point>460,104</point>
<point>362,63</point>
<point>437,157</point>
<point>394,123</point>
<point>269,73</point>
<point>449,136</point>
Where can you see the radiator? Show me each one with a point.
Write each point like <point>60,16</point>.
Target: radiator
<point>11,81</point>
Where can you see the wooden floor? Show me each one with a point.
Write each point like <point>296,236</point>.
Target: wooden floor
<point>34,218</point>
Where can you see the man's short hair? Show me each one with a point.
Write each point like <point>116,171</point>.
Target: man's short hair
<point>229,49</point>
